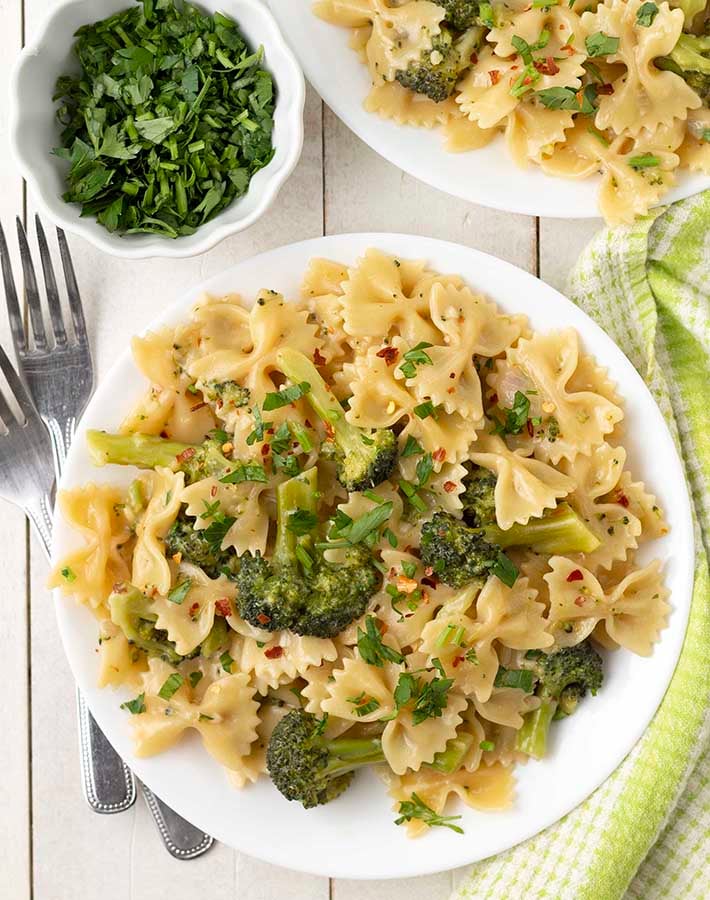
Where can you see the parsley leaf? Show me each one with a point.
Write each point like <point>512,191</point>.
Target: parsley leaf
<point>302,521</point>
<point>135,706</point>
<point>415,357</point>
<point>180,591</point>
<point>515,678</point>
<point>647,12</point>
<point>286,396</point>
<point>245,472</point>
<point>372,650</point>
<point>416,808</point>
<point>173,683</point>
<point>517,416</point>
<point>412,447</point>
<point>600,44</point>
<point>644,161</point>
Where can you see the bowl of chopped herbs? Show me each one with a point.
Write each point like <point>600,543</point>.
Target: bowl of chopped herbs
<point>157,127</point>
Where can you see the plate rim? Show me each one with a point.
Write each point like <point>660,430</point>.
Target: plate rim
<point>64,608</point>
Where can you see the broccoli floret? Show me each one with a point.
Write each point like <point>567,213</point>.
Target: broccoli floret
<point>225,393</point>
<point>438,69</point>
<point>305,766</point>
<point>363,458</point>
<point>564,677</point>
<point>202,547</point>
<point>340,592</point>
<point>478,498</point>
<point>146,451</point>
<point>130,610</point>
<point>460,14</point>
<point>297,588</point>
<point>690,58</point>
<point>460,554</point>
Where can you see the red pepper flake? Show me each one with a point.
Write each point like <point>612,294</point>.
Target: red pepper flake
<point>318,358</point>
<point>457,660</point>
<point>307,423</point>
<point>329,431</point>
<point>568,49</point>
<point>474,58</point>
<point>213,490</point>
<point>527,79</point>
<point>223,607</point>
<point>449,486</point>
<point>575,575</point>
<point>547,66</point>
<point>605,89</point>
<point>430,581</point>
<point>389,354</point>
<point>579,600</point>
<point>164,434</point>
<point>269,430</point>
<point>623,500</point>
<point>263,619</point>
<point>494,399</point>
<point>529,427</point>
<point>197,406</point>
<point>186,454</point>
<point>439,454</point>
<point>265,448</point>
<point>274,652</point>
<point>194,609</point>
<point>494,75</point>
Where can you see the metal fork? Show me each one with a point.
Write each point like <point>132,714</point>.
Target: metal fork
<point>59,375</point>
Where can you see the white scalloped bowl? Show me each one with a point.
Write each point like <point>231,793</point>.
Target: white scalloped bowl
<point>34,129</point>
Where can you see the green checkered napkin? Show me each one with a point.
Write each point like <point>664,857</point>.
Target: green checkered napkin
<point>645,833</point>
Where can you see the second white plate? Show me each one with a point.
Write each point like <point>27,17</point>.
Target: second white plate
<point>487,176</point>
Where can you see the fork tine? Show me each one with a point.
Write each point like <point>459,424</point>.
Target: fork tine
<point>17,387</point>
<point>77,310</point>
<point>13,306</point>
<point>31,290</point>
<point>6,416</point>
<point>50,283</point>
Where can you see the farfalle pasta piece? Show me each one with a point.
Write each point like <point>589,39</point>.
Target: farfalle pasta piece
<point>694,152</point>
<point>634,612</point>
<point>392,101</point>
<point>486,788</point>
<point>119,661</point>
<point>151,571</point>
<point>583,417</point>
<point>244,502</point>
<point>380,400</point>
<point>273,323</point>
<point>226,716</point>
<point>281,657</point>
<point>357,681</point>
<point>399,35</point>
<point>525,487</point>
<point>408,745</point>
<point>470,325</point>
<point>89,572</point>
<point>168,406</point>
<point>506,706</point>
<point>349,13</point>
<point>532,131</point>
<point>188,623</point>
<point>645,97</point>
<point>463,135</point>
<point>598,502</point>
<point>466,630</point>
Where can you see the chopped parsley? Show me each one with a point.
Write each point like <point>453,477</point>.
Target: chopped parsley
<point>505,570</point>
<point>68,574</point>
<point>425,409</point>
<point>647,12</point>
<point>428,699</point>
<point>180,591</point>
<point>601,44</point>
<point>173,683</point>
<point>417,356</point>
<point>136,706</point>
<point>363,704</point>
<point>245,472</point>
<point>516,417</point>
<point>195,678</point>
<point>372,650</point>
<point>226,662</point>
<point>412,447</point>
<point>515,678</point>
<point>286,396</point>
<point>416,808</point>
<point>302,521</point>
<point>644,161</point>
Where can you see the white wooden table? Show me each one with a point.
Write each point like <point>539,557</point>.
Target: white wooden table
<point>52,847</point>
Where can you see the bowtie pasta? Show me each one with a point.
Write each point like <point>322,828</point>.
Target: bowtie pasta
<point>620,88</point>
<point>383,523</point>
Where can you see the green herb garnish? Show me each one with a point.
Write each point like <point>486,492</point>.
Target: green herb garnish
<point>180,591</point>
<point>416,808</point>
<point>372,650</point>
<point>135,706</point>
<point>173,683</point>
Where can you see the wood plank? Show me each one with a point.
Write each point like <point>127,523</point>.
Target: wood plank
<point>425,887</point>
<point>561,242</point>
<point>364,192</point>
<point>15,784</point>
<point>79,855</point>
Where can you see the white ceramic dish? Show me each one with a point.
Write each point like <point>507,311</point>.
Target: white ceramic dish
<point>34,130</point>
<point>355,837</point>
<point>487,176</point>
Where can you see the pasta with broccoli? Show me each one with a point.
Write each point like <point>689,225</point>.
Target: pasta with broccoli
<point>619,87</point>
<point>382,524</point>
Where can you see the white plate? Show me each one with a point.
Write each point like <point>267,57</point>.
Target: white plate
<point>355,837</point>
<point>487,176</point>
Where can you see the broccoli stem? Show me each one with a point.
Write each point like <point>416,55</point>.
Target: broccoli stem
<point>560,531</point>
<point>298,368</point>
<point>346,754</point>
<point>299,493</point>
<point>145,451</point>
<point>532,737</point>
<point>451,758</point>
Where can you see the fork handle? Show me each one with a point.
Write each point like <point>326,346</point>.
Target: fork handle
<point>109,785</point>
